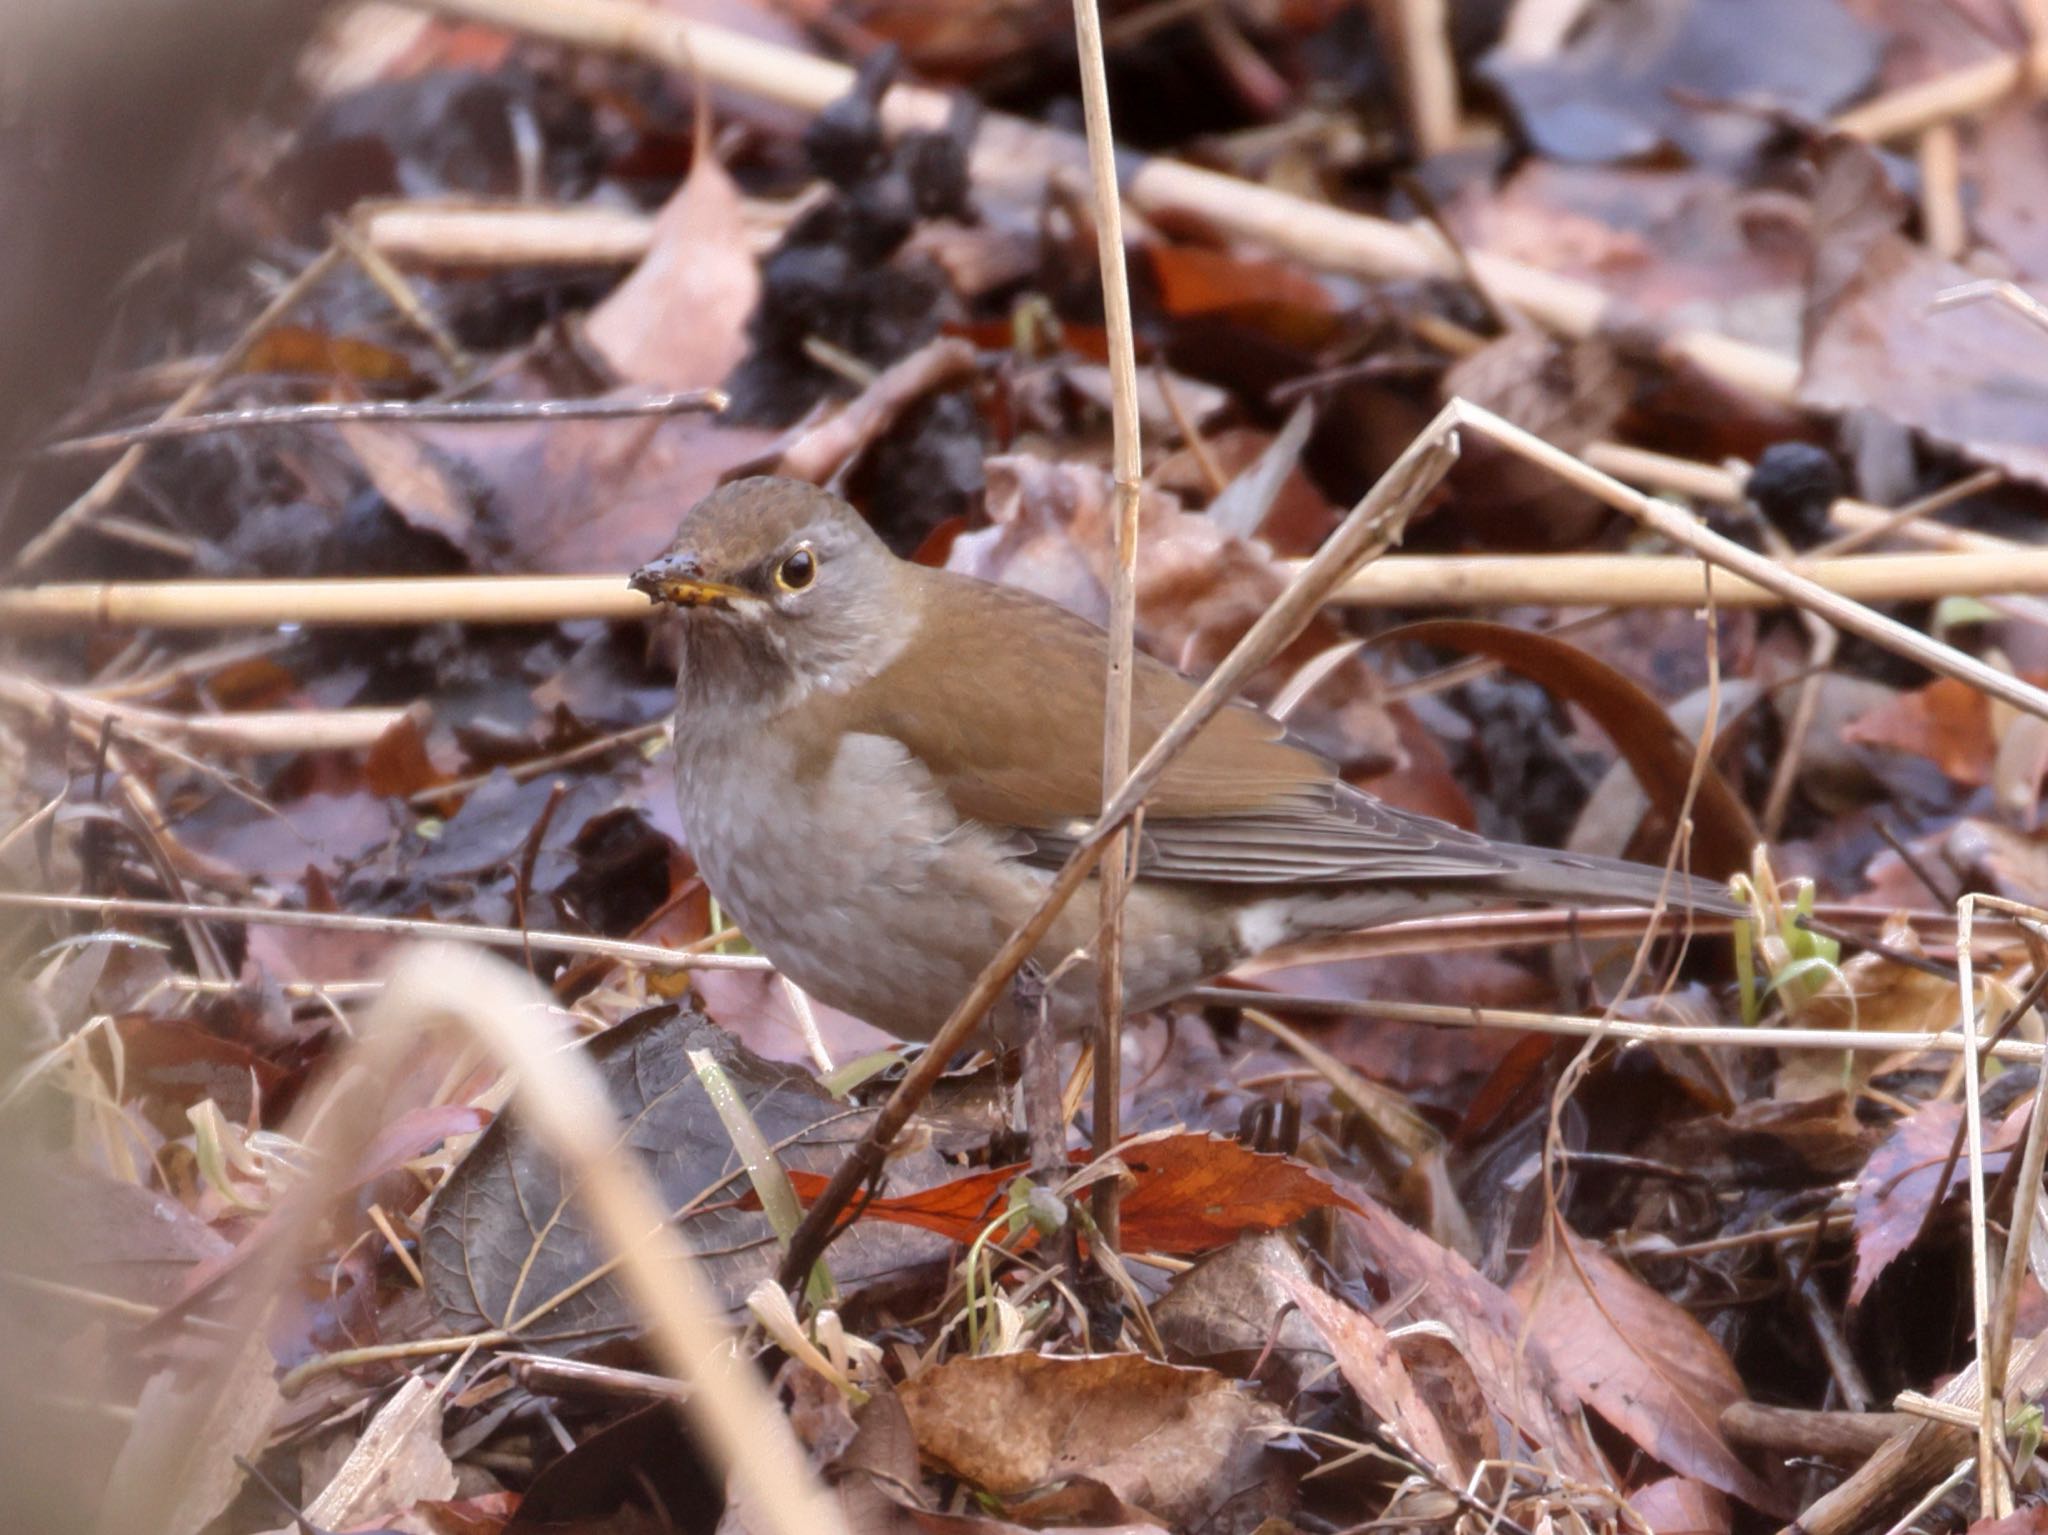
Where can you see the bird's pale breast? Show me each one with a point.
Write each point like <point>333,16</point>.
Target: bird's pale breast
<point>863,886</point>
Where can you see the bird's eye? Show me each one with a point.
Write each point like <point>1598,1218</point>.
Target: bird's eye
<point>797,570</point>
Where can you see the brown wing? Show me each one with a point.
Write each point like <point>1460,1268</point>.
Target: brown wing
<point>1006,713</point>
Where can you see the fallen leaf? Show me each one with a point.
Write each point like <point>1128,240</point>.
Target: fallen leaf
<point>1948,722</point>
<point>506,1236</point>
<point>1646,1365</point>
<point>1514,1369</point>
<point>1372,1367</point>
<point>1189,1193</point>
<point>421,483</point>
<point>679,320</point>
<point>1176,1442</point>
<point>1901,1178</point>
<point>1227,1312</point>
<point>1973,378</point>
<point>1679,1505</point>
<point>1614,93</point>
<point>1872,995</point>
<point>1273,297</point>
<point>396,1463</point>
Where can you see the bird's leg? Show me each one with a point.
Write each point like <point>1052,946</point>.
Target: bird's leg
<point>1041,1073</point>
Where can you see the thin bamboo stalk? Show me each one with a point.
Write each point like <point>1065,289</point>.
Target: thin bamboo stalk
<point>1398,581</point>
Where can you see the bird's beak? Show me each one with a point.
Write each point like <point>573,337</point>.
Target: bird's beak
<point>678,580</point>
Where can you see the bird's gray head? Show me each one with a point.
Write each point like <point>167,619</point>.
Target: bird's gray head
<point>783,588</point>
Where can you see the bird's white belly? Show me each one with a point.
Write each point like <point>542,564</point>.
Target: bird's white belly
<point>858,883</point>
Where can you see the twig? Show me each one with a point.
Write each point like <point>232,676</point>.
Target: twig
<point>1991,1492</point>
<point>407,412</point>
<point>1009,152</point>
<point>1902,113</point>
<point>404,297</point>
<point>1399,581</point>
<point>1371,525</point>
<point>1689,532</point>
<point>1941,190</point>
<point>1127,474</point>
<point>1429,74</point>
<point>2010,294</point>
<point>117,474</point>
<point>520,772</point>
<point>2019,1235</point>
<point>279,730</point>
<point>1574,1027</point>
<point>651,955</point>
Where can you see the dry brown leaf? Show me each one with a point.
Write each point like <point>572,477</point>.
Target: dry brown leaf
<point>1679,1505</point>
<point>679,321</point>
<point>1973,378</point>
<point>1904,1175</point>
<point>1222,1313</point>
<point>1948,722</point>
<point>418,480</point>
<point>1514,1369</point>
<point>1647,1366</point>
<point>1373,1368</point>
<point>1176,1442</point>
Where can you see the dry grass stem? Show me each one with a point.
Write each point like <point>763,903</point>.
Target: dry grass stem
<point>1429,74</point>
<point>1127,475</point>
<point>405,412</point>
<point>280,730</point>
<point>405,298</point>
<point>651,955</point>
<point>430,234</point>
<point>1689,532</point>
<point>1875,1042</point>
<point>1941,190</point>
<point>1994,1497</point>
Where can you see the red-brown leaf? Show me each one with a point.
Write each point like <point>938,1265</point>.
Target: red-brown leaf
<point>1647,1365</point>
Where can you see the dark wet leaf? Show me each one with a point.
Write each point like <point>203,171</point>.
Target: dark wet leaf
<point>504,1236</point>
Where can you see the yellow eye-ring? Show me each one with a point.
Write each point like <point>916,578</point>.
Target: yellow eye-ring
<point>797,570</point>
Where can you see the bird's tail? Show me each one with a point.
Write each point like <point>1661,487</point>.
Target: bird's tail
<point>1579,879</point>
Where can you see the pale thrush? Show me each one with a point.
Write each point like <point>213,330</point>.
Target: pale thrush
<point>880,765</point>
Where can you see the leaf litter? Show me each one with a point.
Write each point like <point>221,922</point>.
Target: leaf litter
<point>1366,1280</point>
